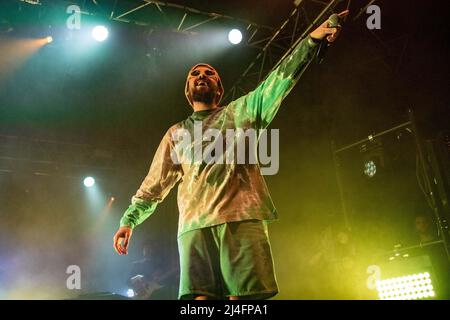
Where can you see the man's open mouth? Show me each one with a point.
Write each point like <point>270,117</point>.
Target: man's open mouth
<point>202,84</point>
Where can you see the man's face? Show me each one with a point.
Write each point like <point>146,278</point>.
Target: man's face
<point>203,84</point>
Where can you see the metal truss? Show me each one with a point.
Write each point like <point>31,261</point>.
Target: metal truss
<point>190,20</point>
<point>431,182</point>
<point>272,44</point>
<point>50,157</point>
<point>392,45</point>
<point>183,19</point>
<point>275,47</point>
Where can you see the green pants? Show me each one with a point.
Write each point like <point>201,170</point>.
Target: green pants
<point>230,259</point>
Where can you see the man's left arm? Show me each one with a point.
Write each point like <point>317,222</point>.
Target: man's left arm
<point>263,103</point>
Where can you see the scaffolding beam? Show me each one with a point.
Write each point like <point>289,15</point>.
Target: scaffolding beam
<point>286,37</point>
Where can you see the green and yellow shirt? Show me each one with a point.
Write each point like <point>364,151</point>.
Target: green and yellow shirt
<point>212,193</point>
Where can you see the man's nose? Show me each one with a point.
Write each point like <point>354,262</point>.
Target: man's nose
<point>201,75</point>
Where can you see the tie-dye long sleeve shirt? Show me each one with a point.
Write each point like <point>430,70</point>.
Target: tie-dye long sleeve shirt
<point>211,192</point>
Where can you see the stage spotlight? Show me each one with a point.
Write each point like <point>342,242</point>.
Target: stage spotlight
<point>370,168</point>
<point>235,36</point>
<point>100,33</point>
<point>88,182</point>
<point>49,39</point>
<point>406,288</point>
<point>112,199</point>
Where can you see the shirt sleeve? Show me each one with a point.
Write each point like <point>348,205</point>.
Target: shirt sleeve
<point>262,104</point>
<point>162,176</point>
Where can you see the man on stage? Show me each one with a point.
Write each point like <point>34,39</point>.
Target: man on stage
<point>224,207</point>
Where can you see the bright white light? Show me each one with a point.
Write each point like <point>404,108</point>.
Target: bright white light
<point>235,36</point>
<point>409,287</point>
<point>370,169</point>
<point>49,39</point>
<point>100,33</point>
<point>130,293</point>
<point>89,182</point>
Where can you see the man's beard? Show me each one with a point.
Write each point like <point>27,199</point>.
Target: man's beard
<point>206,97</point>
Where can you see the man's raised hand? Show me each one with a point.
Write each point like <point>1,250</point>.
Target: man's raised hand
<point>330,33</point>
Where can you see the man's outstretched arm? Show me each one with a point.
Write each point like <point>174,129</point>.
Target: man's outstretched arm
<point>263,103</point>
<point>161,178</point>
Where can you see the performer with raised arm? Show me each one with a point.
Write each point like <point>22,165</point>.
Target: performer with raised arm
<point>224,206</point>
